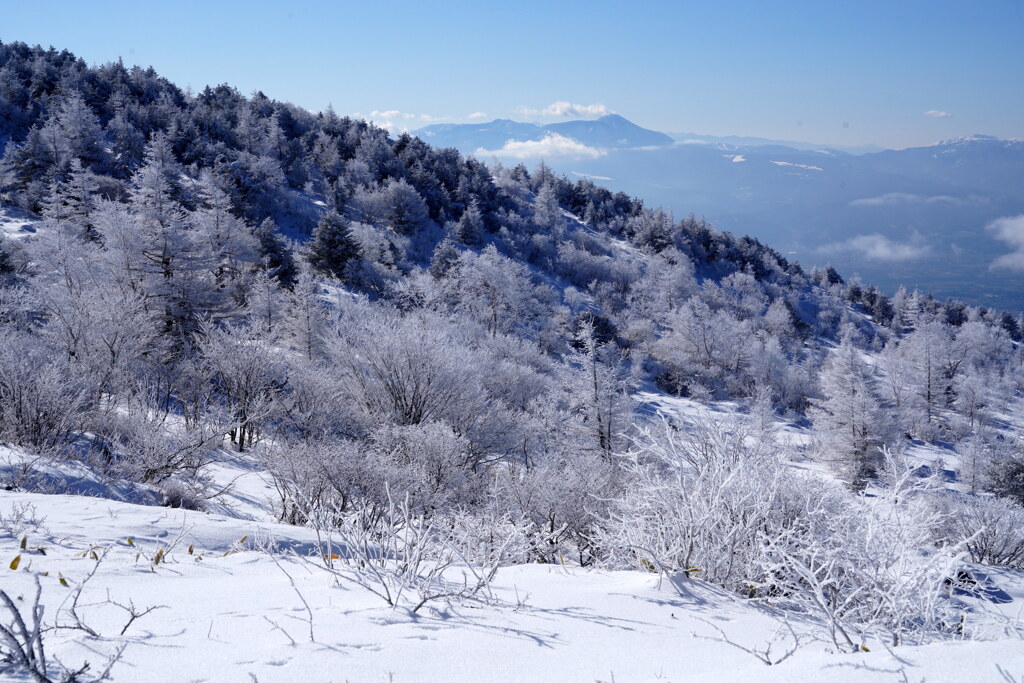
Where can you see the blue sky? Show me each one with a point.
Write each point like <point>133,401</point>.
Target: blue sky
<point>840,73</point>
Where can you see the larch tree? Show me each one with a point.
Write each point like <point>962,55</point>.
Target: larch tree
<point>849,415</point>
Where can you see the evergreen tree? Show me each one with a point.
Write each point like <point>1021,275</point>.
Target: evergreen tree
<point>469,230</point>
<point>276,254</point>
<point>70,202</point>
<point>227,240</point>
<point>444,260</point>
<point>333,245</point>
<point>73,132</point>
<point>127,143</point>
<point>6,264</point>
<point>405,210</point>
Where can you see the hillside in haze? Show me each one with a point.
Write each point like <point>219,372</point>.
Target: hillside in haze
<point>919,217</point>
<point>285,397</point>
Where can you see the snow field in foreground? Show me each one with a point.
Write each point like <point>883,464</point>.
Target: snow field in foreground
<point>229,612</point>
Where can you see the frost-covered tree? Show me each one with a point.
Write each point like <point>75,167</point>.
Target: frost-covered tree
<point>404,210</point>
<point>333,246</point>
<point>73,132</point>
<point>306,316</point>
<point>599,394</point>
<point>71,200</point>
<point>444,259</point>
<point>233,249</point>
<point>470,227</point>
<point>849,416</point>
<point>276,253</point>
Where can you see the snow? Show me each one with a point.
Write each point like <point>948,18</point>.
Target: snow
<point>231,611</point>
<point>792,165</point>
<point>235,607</point>
<point>15,223</point>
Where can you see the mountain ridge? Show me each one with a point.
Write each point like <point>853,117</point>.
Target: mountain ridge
<point>609,131</point>
<point>931,204</point>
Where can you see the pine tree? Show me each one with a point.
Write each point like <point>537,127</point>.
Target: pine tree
<point>74,132</point>
<point>333,245</point>
<point>444,260</point>
<point>229,242</point>
<point>71,201</point>
<point>469,230</point>
<point>128,144</point>
<point>276,254</point>
<point>405,210</point>
<point>6,265</point>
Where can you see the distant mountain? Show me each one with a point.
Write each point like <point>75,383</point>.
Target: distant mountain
<point>982,162</point>
<point>742,141</point>
<point>611,131</point>
<point>914,216</point>
<point>608,132</point>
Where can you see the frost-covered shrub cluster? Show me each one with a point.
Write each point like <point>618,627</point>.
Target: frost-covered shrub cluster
<point>371,317</point>
<point>713,503</point>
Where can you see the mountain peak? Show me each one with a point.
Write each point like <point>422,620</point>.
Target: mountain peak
<point>610,131</point>
<point>977,137</point>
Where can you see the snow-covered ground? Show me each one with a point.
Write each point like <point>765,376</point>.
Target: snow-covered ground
<point>232,594</point>
<point>15,223</point>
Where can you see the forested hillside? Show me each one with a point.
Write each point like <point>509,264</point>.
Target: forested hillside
<point>405,339</point>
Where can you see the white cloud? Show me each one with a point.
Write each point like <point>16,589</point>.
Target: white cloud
<point>937,114</point>
<point>393,120</point>
<point>476,116</point>
<point>890,199</point>
<point>551,145</point>
<point>898,198</point>
<point>1010,230</point>
<point>562,108</point>
<point>876,247</point>
<point>592,177</point>
<point>736,158</point>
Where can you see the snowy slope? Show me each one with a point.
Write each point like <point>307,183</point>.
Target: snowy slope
<point>229,612</point>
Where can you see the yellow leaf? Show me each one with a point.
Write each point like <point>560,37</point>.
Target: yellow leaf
<point>24,542</point>
<point>159,556</point>
<point>64,582</point>
<point>130,541</point>
<point>15,562</point>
